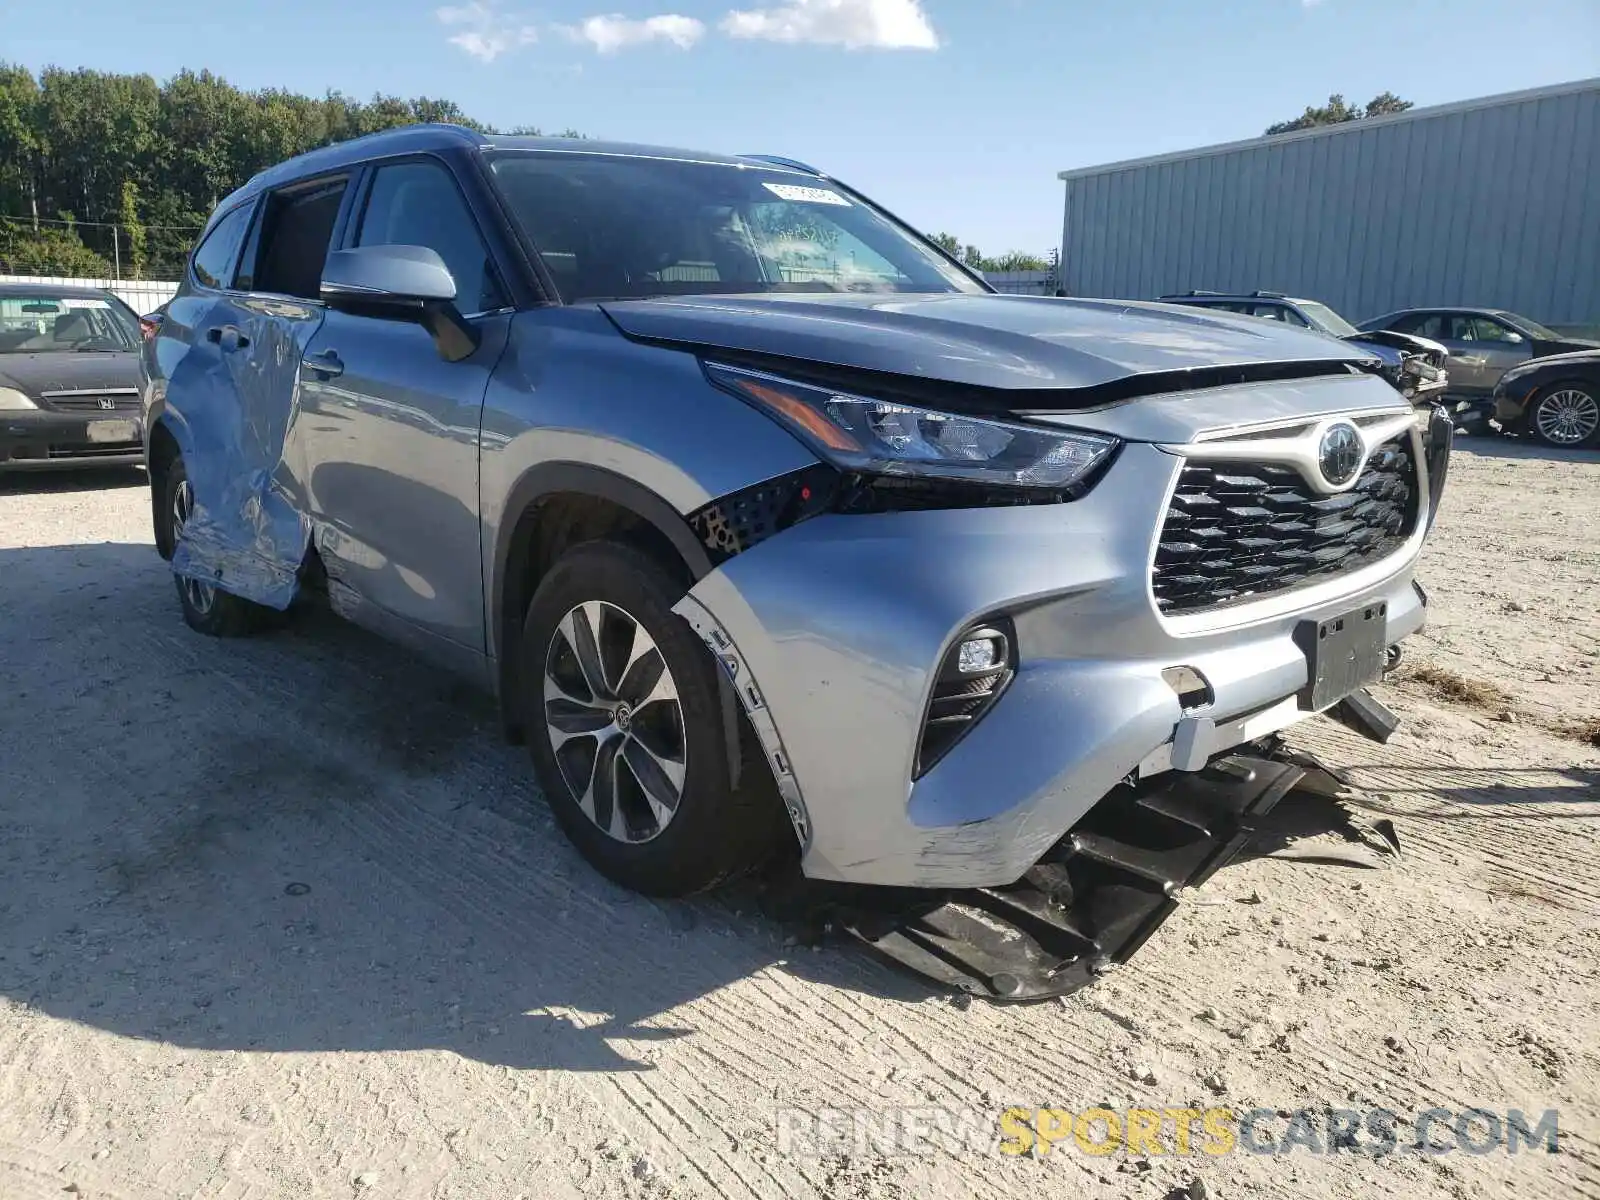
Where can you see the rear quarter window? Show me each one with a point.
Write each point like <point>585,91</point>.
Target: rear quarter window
<point>215,257</point>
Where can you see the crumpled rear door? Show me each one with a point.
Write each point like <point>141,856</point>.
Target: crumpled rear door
<point>237,392</point>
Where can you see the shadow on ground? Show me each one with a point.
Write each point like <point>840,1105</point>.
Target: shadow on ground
<point>1497,786</point>
<point>304,841</point>
<point>1496,445</point>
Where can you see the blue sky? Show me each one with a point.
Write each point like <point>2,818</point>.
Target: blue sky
<point>956,114</point>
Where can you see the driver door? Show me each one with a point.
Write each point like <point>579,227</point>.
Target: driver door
<point>391,430</point>
<point>1501,348</point>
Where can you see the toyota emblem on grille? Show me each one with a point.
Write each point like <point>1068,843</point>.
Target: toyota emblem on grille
<point>1339,454</point>
<point>107,403</point>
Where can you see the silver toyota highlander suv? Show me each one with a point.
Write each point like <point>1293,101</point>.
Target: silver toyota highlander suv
<point>774,528</point>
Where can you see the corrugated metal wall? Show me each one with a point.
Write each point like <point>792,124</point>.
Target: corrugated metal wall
<point>1496,205</point>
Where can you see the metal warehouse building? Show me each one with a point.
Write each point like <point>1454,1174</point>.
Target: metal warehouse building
<point>1492,202</point>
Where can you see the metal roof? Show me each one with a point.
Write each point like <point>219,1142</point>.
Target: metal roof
<point>1345,127</point>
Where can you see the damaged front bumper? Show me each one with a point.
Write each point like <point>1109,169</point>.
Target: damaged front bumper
<point>833,633</point>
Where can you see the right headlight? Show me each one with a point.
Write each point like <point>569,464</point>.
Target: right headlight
<point>886,437</point>
<point>12,399</point>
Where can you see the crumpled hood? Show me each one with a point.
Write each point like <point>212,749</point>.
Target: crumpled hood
<point>989,341</point>
<point>64,371</point>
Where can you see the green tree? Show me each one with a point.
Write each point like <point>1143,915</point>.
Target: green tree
<point>1336,111</point>
<point>123,156</point>
<point>132,229</point>
<point>1017,260</point>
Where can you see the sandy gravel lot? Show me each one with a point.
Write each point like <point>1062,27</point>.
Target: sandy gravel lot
<point>284,918</point>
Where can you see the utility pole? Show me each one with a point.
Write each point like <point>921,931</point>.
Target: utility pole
<point>116,252</point>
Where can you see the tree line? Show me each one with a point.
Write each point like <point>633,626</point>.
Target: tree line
<point>104,173</point>
<point>1015,260</point>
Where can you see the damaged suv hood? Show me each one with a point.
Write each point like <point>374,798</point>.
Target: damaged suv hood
<point>986,341</point>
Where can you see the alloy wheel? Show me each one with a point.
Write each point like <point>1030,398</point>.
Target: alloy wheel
<point>615,721</point>
<point>201,596</point>
<point>1568,417</point>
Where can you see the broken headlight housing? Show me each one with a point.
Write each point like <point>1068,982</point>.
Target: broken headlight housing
<point>877,437</point>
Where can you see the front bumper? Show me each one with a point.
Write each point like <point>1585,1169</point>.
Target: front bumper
<point>834,629</point>
<point>1510,408</point>
<point>41,438</point>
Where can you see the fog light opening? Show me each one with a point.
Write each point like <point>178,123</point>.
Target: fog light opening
<point>975,670</point>
<point>1192,688</point>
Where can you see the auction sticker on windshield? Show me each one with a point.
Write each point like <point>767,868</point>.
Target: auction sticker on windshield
<point>82,302</point>
<point>806,195</point>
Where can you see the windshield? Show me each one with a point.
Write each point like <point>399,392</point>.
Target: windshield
<point>50,323</point>
<point>1325,319</point>
<point>610,227</point>
<point>1530,327</point>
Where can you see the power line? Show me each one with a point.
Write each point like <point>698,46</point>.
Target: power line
<point>30,221</point>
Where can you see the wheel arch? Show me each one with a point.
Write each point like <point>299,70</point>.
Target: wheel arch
<point>551,508</point>
<point>165,444</point>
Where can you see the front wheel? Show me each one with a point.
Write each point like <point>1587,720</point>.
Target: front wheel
<point>1565,415</point>
<point>206,608</point>
<point>626,730</point>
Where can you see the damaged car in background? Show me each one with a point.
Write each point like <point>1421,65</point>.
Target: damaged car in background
<point>1414,366</point>
<point>780,535</point>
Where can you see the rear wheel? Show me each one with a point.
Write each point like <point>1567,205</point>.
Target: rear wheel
<point>206,608</point>
<point>626,731</point>
<point>1566,415</point>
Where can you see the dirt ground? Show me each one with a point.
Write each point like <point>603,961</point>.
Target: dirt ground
<point>283,917</point>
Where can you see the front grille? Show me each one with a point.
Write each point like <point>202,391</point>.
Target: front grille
<point>106,450</point>
<point>1239,531</point>
<point>128,403</point>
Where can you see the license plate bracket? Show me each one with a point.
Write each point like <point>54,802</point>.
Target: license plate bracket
<point>109,432</point>
<point>1343,653</point>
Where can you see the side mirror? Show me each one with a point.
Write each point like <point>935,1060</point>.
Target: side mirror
<point>409,283</point>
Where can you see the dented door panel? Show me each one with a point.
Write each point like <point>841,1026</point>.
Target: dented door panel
<point>389,435</point>
<point>236,395</point>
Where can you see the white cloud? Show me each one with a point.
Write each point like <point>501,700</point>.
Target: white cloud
<point>614,32</point>
<point>854,24</point>
<point>483,30</point>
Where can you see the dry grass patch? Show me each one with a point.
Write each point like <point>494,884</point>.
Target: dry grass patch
<point>1584,730</point>
<point>1449,685</point>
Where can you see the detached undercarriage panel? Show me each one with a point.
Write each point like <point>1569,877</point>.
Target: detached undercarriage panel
<point>1092,901</point>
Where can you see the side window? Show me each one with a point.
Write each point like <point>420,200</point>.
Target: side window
<point>418,204</point>
<point>1429,325</point>
<point>1487,330</point>
<point>1459,328</point>
<point>290,242</point>
<point>214,258</point>
<point>1275,312</point>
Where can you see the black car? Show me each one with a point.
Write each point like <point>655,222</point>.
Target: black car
<point>1555,400</point>
<point>1414,366</point>
<point>68,377</point>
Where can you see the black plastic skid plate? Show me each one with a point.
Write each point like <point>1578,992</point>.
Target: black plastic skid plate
<point>1090,903</point>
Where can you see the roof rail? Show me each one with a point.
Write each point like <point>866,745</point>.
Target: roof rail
<point>1269,295</point>
<point>1190,292</point>
<point>777,161</point>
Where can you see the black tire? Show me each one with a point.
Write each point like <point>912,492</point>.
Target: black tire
<point>206,609</point>
<point>1548,395</point>
<point>715,832</point>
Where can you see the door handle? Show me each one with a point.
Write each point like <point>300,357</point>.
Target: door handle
<point>228,337</point>
<point>328,364</point>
